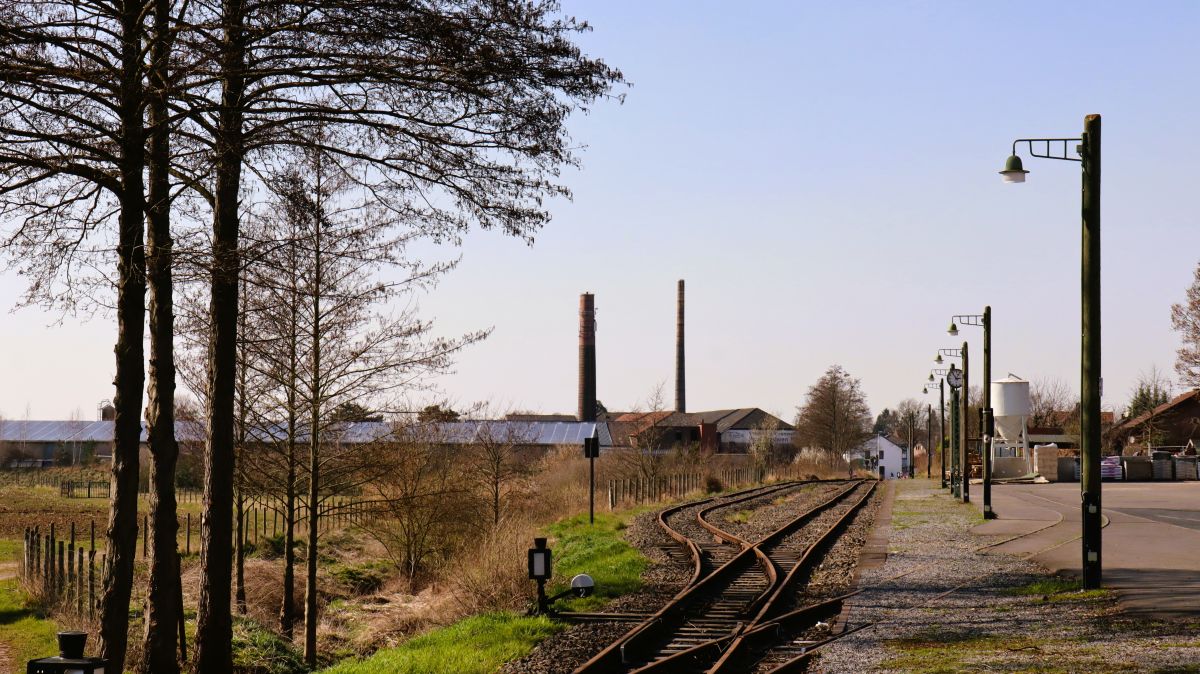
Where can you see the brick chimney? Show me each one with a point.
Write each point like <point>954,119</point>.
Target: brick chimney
<point>587,357</point>
<point>680,388</point>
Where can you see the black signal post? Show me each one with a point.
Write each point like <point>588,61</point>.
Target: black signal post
<point>591,450</point>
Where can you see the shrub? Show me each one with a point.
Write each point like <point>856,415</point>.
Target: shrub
<point>361,578</point>
<point>259,651</point>
<point>713,484</point>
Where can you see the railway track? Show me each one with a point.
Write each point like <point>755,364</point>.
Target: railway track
<point>708,546</point>
<point>737,617</point>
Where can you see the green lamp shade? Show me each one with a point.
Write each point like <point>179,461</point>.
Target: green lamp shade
<point>1013,171</point>
<point>953,329</point>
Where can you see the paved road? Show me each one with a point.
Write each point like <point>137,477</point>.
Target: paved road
<point>1151,540</point>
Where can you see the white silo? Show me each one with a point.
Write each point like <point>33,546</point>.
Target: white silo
<point>1011,407</point>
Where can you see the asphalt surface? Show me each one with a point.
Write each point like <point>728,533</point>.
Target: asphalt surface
<point>1150,550</point>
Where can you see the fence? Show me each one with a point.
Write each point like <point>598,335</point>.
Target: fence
<point>266,517</point>
<point>642,490</point>
<point>83,489</point>
<point>58,567</point>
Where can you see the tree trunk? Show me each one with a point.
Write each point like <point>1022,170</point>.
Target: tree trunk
<point>287,608</point>
<point>214,622</point>
<point>314,454</point>
<point>239,546</point>
<point>130,377</point>
<point>310,564</point>
<point>162,609</point>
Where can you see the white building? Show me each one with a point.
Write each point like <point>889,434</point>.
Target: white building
<point>882,456</point>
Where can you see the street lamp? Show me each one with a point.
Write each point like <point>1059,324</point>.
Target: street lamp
<point>983,320</point>
<point>959,467</point>
<point>1088,149</point>
<point>941,374</point>
<point>928,432</point>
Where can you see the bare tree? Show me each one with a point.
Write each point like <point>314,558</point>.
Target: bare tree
<point>1049,399</point>
<point>646,458</point>
<point>72,160</point>
<point>1185,318</point>
<point>496,463</point>
<point>911,416</point>
<point>762,450</point>
<point>835,417</point>
<point>346,351</point>
<point>458,106</point>
<point>419,499</point>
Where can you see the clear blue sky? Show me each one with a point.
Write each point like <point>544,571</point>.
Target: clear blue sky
<point>823,175</point>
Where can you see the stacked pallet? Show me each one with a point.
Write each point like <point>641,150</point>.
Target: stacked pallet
<point>1185,468</point>
<point>1045,461</point>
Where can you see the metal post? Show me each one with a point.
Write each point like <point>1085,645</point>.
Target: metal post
<point>942,427</point>
<point>1090,347</point>
<point>929,442</point>
<point>955,481</point>
<point>964,462</point>
<point>985,436</point>
<point>592,489</point>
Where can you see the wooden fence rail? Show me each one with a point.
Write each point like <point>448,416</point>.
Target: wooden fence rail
<point>58,567</point>
<point>635,490</point>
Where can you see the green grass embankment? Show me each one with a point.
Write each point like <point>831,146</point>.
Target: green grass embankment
<point>23,632</point>
<point>481,644</point>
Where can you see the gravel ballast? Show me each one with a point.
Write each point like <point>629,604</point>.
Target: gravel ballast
<point>942,602</point>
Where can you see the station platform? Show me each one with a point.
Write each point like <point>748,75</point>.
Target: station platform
<point>1150,542</point>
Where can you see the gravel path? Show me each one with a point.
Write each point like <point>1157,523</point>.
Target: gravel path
<point>1002,613</point>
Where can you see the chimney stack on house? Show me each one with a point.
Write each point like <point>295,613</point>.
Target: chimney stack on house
<point>587,357</point>
<point>680,400</point>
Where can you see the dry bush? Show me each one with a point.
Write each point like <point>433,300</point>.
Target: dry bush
<point>491,574</point>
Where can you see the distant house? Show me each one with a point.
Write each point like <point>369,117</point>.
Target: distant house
<point>1175,424</point>
<point>731,431</point>
<point>1060,428</point>
<point>881,456</point>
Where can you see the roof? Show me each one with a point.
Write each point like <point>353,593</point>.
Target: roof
<point>877,442</point>
<point>742,418</point>
<point>540,417</point>
<point>44,431</point>
<point>456,432</point>
<point>1174,402</point>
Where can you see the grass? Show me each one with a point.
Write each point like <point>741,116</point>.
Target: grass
<point>936,651</point>
<point>1058,589</point>
<point>480,644</point>
<point>740,517</point>
<point>261,651</point>
<point>26,634</point>
<point>599,551</point>
<point>10,549</point>
<point>477,645</point>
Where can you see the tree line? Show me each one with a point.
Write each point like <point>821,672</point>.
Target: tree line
<point>140,143</point>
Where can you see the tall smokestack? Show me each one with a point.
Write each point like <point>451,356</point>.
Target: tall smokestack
<point>587,357</point>
<point>680,400</point>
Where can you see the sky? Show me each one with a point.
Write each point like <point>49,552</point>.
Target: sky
<point>823,176</point>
